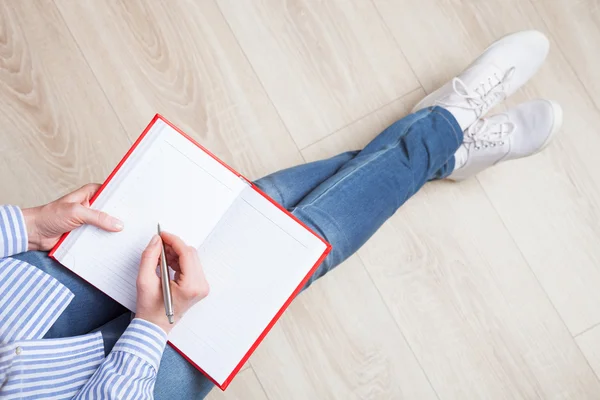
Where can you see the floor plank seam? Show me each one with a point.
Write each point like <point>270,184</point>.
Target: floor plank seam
<point>287,129</point>
<point>87,62</point>
<point>546,295</point>
<point>388,30</point>
<point>576,335</point>
<point>251,368</point>
<point>403,336</point>
<point>558,46</point>
<point>364,117</point>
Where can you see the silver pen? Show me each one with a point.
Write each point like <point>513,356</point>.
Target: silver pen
<point>165,280</point>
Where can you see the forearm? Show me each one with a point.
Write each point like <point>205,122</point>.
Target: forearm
<point>130,369</point>
<point>34,239</point>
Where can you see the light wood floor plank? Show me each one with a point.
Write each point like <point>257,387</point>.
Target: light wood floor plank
<point>245,386</point>
<point>58,130</point>
<point>338,341</point>
<point>575,27</point>
<point>589,343</point>
<point>324,63</point>
<point>548,202</point>
<point>469,305</point>
<point>180,59</point>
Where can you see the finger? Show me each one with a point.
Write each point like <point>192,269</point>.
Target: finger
<point>188,256</point>
<point>175,242</point>
<point>149,261</point>
<point>83,194</point>
<point>204,286</point>
<point>169,251</point>
<point>196,283</point>
<point>172,258</point>
<point>96,218</point>
<point>173,261</point>
<point>190,268</point>
<point>189,262</point>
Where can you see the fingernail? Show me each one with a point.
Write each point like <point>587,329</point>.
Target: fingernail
<point>154,240</point>
<point>118,224</point>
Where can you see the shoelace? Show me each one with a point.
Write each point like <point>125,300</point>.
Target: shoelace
<point>489,132</point>
<point>484,96</point>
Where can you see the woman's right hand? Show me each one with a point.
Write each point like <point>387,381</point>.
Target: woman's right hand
<point>188,287</point>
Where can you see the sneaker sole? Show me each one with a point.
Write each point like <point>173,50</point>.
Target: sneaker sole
<point>556,124</point>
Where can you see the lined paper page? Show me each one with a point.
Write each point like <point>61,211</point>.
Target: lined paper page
<point>253,260</point>
<point>168,180</point>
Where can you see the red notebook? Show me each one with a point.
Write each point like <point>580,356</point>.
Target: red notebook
<point>255,254</point>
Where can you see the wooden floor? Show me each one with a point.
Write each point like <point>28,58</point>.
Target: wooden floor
<point>487,289</point>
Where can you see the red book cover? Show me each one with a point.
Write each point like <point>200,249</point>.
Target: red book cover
<point>292,295</point>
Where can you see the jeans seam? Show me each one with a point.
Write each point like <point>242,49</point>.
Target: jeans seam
<point>331,219</point>
<point>377,155</point>
<point>278,191</point>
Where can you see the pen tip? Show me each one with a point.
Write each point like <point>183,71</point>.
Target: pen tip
<point>158,227</point>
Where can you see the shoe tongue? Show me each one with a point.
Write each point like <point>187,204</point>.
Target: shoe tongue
<point>478,74</point>
<point>492,122</point>
<point>477,125</point>
<point>497,119</point>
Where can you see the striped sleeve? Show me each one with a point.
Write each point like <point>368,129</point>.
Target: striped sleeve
<point>49,368</point>
<point>129,371</point>
<point>30,301</point>
<point>13,234</point>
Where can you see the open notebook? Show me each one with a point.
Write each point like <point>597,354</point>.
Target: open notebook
<point>256,256</point>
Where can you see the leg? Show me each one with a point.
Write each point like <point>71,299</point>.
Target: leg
<point>112,330</point>
<point>89,309</point>
<point>350,206</point>
<point>289,186</point>
<point>178,379</point>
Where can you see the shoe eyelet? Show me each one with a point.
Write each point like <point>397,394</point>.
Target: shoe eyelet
<point>486,146</point>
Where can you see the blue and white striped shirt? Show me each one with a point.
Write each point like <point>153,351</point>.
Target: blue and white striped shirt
<point>75,367</point>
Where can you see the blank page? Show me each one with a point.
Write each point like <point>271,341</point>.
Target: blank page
<point>167,179</point>
<point>254,259</point>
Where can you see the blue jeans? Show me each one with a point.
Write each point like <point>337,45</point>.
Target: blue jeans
<point>345,199</point>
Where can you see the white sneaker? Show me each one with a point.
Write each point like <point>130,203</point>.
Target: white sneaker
<point>502,69</point>
<point>520,132</point>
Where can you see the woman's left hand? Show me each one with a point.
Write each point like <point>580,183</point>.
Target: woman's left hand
<point>46,224</point>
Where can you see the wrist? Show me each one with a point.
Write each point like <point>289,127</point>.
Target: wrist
<point>33,238</point>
